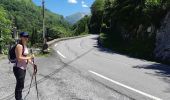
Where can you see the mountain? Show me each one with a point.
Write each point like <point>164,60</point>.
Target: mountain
<point>23,15</point>
<point>72,19</point>
<point>26,16</point>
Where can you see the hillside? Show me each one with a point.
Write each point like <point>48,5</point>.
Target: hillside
<point>26,16</point>
<point>130,26</point>
<point>72,19</point>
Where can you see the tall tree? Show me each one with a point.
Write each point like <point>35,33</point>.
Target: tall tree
<point>96,18</point>
<point>5,35</point>
<point>125,25</point>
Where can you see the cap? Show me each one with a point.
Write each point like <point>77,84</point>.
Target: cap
<point>24,34</point>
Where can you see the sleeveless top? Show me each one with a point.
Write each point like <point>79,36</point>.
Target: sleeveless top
<point>23,63</point>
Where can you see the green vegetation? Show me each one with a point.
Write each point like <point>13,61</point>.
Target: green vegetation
<point>96,18</point>
<point>26,16</point>
<point>5,37</point>
<point>81,27</point>
<point>128,26</point>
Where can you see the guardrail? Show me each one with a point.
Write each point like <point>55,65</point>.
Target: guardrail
<point>50,43</point>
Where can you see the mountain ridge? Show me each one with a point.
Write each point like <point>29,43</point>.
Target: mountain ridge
<point>72,19</point>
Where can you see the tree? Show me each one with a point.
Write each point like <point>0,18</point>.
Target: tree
<point>5,36</point>
<point>97,9</point>
<point>123,24</point>
<point>81,27</point>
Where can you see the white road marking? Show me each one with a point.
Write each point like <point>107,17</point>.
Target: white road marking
<point>61,54</point>
<point>130,88</point>
<point>56,45</point>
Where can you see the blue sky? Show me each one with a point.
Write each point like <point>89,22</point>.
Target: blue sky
<point>66,7</point>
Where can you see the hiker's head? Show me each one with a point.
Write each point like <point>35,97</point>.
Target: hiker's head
<point>24,37</point>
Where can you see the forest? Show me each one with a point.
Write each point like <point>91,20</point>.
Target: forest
<point>128,26</point>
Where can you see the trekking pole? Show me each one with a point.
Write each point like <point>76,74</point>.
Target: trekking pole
<point>33,75</point>
<point>29,87</point>
<point>35,72</point>
<point>30,83</point>
<point>36,87</point>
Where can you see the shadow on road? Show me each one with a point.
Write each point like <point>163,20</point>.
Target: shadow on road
<point>160,70</point>
<point>98,45</point>
<point>100,48</point>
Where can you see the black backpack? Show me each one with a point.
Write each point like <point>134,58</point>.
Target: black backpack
<point>11,53</point>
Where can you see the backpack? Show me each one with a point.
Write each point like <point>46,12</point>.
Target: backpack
<point>11,53</point>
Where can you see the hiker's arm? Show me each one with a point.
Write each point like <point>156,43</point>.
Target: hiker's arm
<point>19,56</point>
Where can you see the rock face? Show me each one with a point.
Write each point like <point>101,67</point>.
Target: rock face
<point>162,50</point>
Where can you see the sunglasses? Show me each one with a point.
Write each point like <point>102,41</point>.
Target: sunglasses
<point>25,36</point>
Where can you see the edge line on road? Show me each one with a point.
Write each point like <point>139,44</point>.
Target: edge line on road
<point>61,54</point>
<point>125,86</point>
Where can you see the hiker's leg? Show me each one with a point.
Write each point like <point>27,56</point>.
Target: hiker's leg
<point>20,77</point>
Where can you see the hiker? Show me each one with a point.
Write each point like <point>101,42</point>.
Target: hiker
<point>22,59</point>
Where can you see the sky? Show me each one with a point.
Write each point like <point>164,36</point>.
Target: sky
<point>66,7</point>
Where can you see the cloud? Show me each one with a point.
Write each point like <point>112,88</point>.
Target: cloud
<point>72,1</point>
<point>84,5</point>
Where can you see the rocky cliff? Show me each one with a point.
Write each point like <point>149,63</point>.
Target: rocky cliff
<point>162,51</point>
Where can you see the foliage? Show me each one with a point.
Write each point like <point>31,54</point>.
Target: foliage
<point>26,16</point>
<point>96,18</point>
<point>4,29</point>
<point>123,24</point>
<point>81,27</point>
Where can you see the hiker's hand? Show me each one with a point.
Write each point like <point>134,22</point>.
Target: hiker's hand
<point>32,56</point>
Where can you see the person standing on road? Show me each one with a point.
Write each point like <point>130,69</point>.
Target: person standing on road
<point>22,59</point>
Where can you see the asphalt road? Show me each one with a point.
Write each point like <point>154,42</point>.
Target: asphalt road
<point>57,80</point>
<point>80,70</point>
<point>136,78</point>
